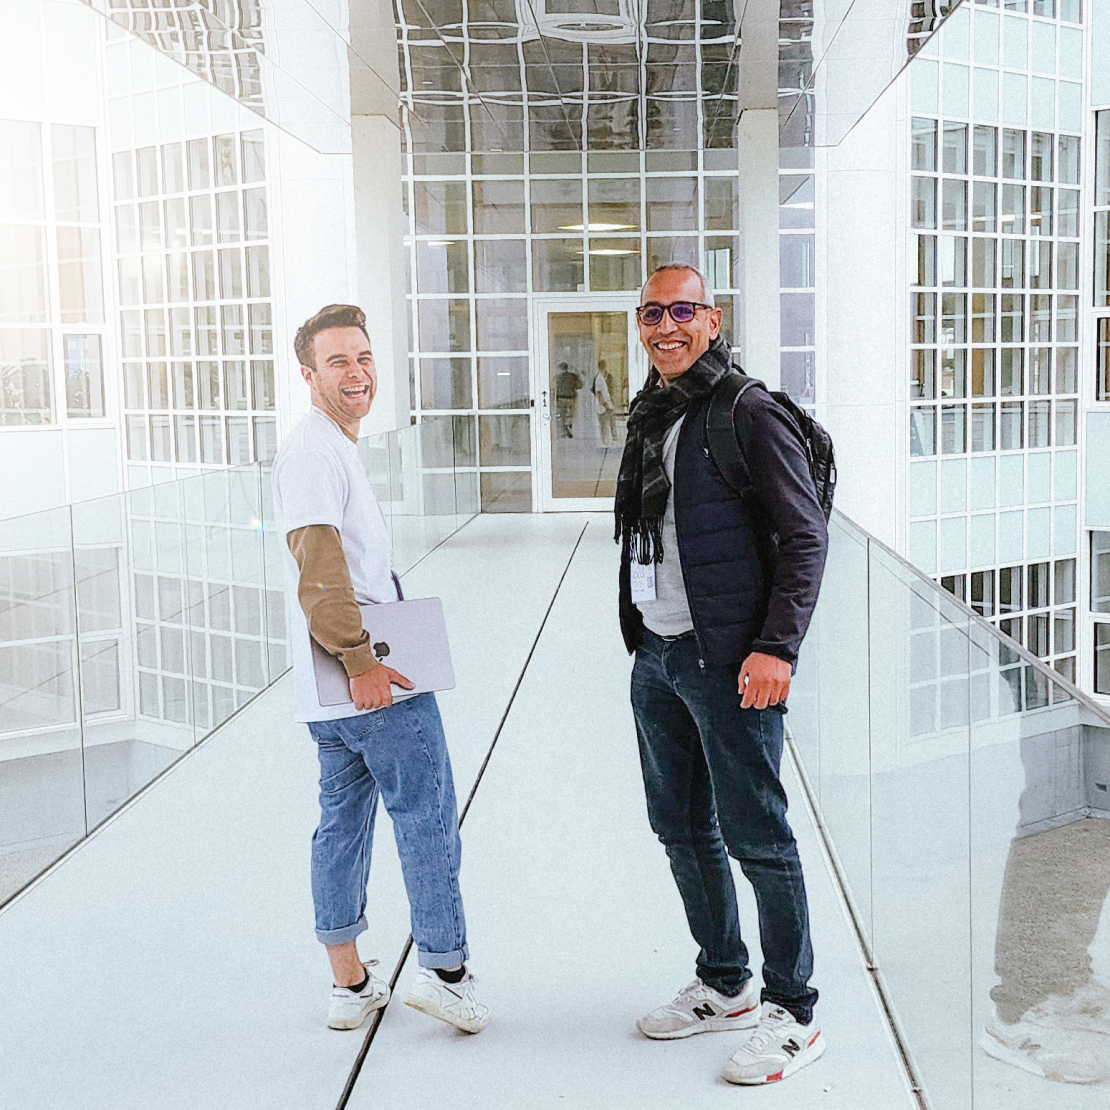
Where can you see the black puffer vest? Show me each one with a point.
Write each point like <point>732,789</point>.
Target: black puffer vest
<point>724,559</point>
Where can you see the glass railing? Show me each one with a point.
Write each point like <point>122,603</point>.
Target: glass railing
<point>132,626</point>
<point>963,786</point>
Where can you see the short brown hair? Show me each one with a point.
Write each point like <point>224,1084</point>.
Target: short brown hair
<point>331,316</point>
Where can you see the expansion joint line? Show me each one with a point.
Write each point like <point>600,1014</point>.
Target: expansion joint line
<point>376,1017</point>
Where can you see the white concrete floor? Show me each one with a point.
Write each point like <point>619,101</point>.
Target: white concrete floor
<point>170,961</point>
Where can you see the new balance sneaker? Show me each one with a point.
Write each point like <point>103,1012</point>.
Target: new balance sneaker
<point>1086,1009</point>
<point>701,1009</point>
<point>779,1046</point>
<point>348,1008</point>
<point>1057,1053</point>
<point>453,1003</point>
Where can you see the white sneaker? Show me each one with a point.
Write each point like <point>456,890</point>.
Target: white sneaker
<point>1086,1009</point>
<point>779,1047</point>
<point>453,1003</point>
<point>1061,1054</point>
<point>348,1009</point>
<point>701,1009</point>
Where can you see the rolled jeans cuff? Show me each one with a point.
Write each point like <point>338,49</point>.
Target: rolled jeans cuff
<point>342,936</point>
<point>443,960</point>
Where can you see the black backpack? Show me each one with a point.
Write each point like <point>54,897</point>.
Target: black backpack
<point>727,452</point>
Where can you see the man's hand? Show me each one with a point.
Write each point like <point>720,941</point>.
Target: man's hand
<point>371,690</point>
<point>764,680</point>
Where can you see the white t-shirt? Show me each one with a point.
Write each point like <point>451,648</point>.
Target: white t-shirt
<point>318,479</point>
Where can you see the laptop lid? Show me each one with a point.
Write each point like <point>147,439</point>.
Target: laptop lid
<point>409,636</point>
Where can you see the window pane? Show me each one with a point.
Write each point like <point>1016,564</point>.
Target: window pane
<point>985,162</point>
<point>442,266</point>
<point>982,373</point>
<point>227,169</point>
<point>923,384</point>
<point>236,386</point>
<point>1013,154</point>
<point>262,380</point>
<point>79,275</point>
<point>982,427</point>
<point>1065,423</point>
<point>262,337</point>
<point>953,430</point>
<point>173,168</point>
<point>231,320</point>
<point>75,193</point>
<point>183,394</point>
<point>923,431</point>
<point>955,148</point>
<point>923,201</point>
<point>953,259</point>
<point>199,176</point>
<point>84,375</point>
<point>147,162</point>
<point>924,149</point>
<point>983,258</point>
<point>923,273</point>
<point>204,276</point>
<point>211,440</point>
<point>1011,436</point>
<point>254,157</point>
<point>1039,423</point>
<point>441,207</point>
<point>200,220</point>
<point>22,274</point>
<point>208,384</point>
<point>231,275</point>
<point>25,391</point>
<point>258,272</point>
<point>982,318</point>
<point>672,204</point>
<point>504,440</point>
<point>499,207</point>
<point>1013,264</point>
<point>983,206</point>
<point>502,383</point>
<point>722,204</point>
<point>227,217</point>
<point>254,214</point>
<point>445,383</point>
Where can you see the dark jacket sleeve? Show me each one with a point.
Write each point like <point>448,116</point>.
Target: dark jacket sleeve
<point>791,511</point>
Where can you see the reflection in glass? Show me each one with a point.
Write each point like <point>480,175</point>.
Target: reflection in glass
<point>588,380</point>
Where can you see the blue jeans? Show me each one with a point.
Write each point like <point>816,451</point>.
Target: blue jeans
<point>711,774</point>
<point>399,752</point>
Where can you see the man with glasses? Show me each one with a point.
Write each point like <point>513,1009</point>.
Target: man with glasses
<point>716,594</point>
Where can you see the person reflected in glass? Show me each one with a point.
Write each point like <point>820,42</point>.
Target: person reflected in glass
<point>1051,1014</point>
<point>567,385</point>
<point>714,610</point>
<point>603,402</point>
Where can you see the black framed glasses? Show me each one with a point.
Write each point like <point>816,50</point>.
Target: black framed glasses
<point>682,312</point>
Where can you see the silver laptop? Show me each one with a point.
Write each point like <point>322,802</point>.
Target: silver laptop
<point>409,636</point>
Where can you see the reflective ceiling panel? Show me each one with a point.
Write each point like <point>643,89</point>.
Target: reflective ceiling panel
<point>568,74</point>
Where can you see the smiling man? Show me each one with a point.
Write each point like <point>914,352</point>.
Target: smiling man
<point>338,557</point>
<point>715,597</point>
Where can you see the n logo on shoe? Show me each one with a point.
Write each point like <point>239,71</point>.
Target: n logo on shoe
<point>790,1047</point>
<point>705,1011</point>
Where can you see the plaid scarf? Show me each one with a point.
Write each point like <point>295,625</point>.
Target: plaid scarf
<point>642,483</point>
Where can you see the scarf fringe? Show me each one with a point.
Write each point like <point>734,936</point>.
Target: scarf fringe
<point>643,539</point>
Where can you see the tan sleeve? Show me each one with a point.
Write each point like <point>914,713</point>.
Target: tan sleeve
<point>328,598</point>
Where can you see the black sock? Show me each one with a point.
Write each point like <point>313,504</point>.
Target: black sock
<point>358,988</point>
<point>455,976</point>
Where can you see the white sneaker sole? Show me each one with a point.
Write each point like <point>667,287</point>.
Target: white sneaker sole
<point>810,1053</point>
<point>1001,1052</point>
<point>434,1009</point>
<point>356,1020</point>
<point>747,1020</point>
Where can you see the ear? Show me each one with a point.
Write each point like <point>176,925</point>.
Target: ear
<point>306,373</point>
<point>715,323</point>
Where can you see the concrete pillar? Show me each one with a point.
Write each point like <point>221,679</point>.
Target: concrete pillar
<point>758,142</point>
<point>379,217</point>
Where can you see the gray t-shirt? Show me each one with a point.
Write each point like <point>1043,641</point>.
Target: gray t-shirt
<point>669,613</point>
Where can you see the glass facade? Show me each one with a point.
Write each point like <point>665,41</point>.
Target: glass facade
<point>192,255</point>
<point>996,176</point>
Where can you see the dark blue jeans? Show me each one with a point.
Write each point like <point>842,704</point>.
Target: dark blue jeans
<point>711,773</point>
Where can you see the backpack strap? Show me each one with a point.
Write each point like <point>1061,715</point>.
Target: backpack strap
<point>721,434</point>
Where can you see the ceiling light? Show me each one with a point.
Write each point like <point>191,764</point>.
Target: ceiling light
<point>440,243</point>
<point>609,252</point>
<point>599,226</point>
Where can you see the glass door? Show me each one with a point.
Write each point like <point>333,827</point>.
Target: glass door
<point>589,365</point>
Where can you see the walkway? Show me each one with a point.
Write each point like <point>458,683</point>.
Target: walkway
<point>170,962</point>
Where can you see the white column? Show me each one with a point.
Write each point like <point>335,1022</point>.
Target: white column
<point>758,142</point>
<point>379,234</point>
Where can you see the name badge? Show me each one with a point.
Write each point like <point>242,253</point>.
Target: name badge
<point>643,582</point>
